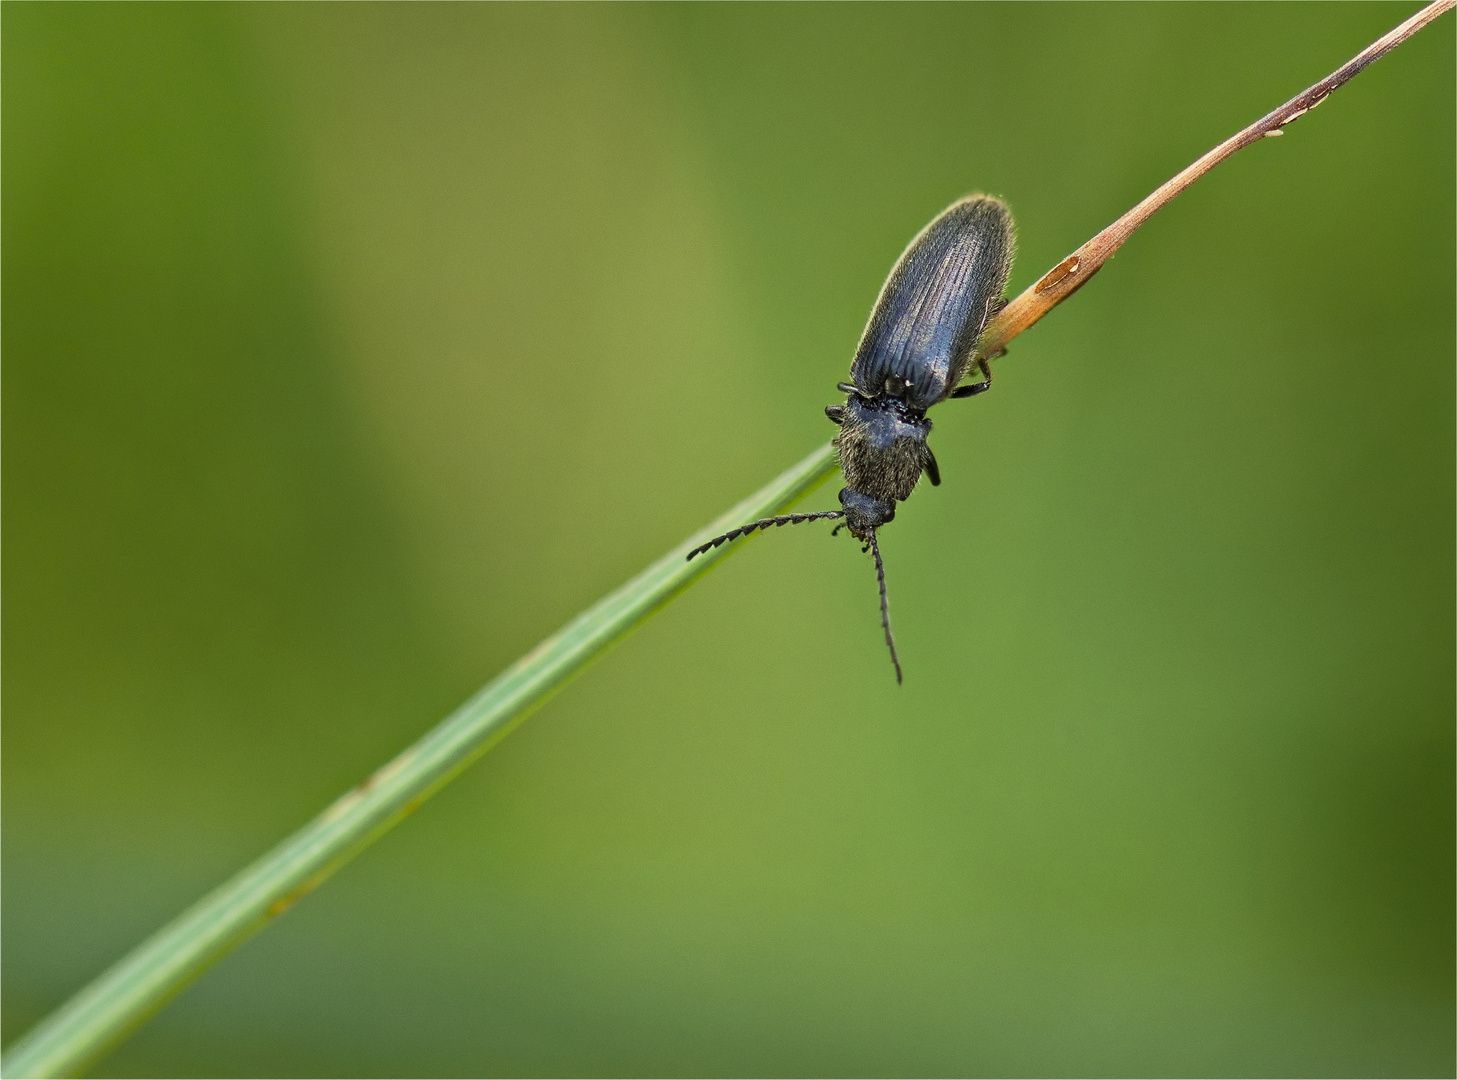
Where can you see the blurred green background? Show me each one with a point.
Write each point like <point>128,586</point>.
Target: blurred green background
<point>349,350</point>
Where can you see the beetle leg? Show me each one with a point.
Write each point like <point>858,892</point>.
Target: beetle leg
<point>976,388</point>
<point>836,413</point>
<point>851,388</point>
<point>933,471</point>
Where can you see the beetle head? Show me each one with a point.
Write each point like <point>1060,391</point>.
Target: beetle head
<point>863,515</point>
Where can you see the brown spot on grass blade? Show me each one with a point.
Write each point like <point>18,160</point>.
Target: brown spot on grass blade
<point>1058,274</point>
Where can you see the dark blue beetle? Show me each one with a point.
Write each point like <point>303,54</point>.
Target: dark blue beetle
<point>920,342</point>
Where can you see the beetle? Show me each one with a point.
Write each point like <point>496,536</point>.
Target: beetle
<point>920,342</point>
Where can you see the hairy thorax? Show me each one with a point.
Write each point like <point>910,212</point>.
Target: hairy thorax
<point>882,446</point>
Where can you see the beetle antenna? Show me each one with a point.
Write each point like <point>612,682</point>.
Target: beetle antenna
<point>885,606</point>
<point>764,523</point>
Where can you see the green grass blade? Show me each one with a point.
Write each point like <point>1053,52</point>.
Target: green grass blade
<point>104,1012</point>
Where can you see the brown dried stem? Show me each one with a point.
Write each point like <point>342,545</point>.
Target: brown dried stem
<point>1070,275</point>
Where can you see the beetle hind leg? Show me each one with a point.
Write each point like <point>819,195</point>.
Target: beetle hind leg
<point>976,388</point>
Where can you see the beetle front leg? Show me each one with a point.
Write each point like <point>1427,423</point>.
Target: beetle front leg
<point>933,471</point>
